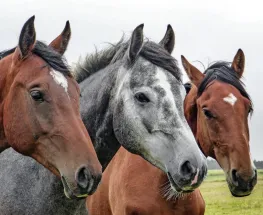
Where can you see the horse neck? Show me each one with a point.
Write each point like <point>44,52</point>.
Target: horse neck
<point>97,114</point>
<point>191,115</point>
<point>6,80</point>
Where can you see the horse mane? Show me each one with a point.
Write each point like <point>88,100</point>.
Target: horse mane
<point>222,71</point>
<point>96,61</point>
<point>6,52</point>
<point>150,51</point>
<point>55,60</point>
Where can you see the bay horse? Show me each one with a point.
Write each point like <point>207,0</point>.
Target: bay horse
<point>132,186</point>
<point>142,189</point>
<point>217,108</point>
<point>39,109</point>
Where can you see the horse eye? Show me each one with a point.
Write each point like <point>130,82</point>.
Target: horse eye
<point>37,95</point>
<point>208,113</point>
<point>141,97</point>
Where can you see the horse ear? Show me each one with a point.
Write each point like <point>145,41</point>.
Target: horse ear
<point>27,37</point>
<point>136,42</point>
<point>238,63</point>
<point>60,44</point>
<point>192,72</point>
<point>169,39</point>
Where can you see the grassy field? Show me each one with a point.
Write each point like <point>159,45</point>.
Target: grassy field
<point>219,201</point>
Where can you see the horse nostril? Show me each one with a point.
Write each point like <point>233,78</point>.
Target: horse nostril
<point>82,177</point>
<point>234,176</point>
<point>187,170</point>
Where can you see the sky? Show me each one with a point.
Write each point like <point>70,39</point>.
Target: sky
<point>205,30</point>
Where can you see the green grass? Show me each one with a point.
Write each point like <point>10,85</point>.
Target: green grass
<point>219,201</point>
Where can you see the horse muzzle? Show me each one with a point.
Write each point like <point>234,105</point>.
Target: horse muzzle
<point>85,184</point>
<point>240,187</point>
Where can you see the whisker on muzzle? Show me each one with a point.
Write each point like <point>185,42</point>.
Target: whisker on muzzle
<point>170,194</point>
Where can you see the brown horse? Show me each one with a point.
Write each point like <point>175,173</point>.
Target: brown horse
<point>39,106</point>
<point>132,186</point>
<point>217,109</point>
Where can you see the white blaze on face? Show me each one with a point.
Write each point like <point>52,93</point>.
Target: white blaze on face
<point>123,77</point>
<point>163,83</point>
<point>60,79</point>
<point>183,127</point>
<point>231,99</point>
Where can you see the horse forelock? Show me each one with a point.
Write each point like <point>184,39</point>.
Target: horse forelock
<point>53,59</point>
<point>223,72</point>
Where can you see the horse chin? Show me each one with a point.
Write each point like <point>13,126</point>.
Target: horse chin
<point>176,188</point>
<point>236,192</point>
<point>240,194</point>
<point>69,193</point>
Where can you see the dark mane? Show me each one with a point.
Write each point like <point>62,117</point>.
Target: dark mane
<point>55,60</point>
<point>96,61</point>
<point>222,71</point>
<point>150,51</point>
<point>52,58</point>
<point>6,52</point>
<point>157,55</point>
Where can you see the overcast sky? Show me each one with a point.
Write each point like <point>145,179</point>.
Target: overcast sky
<point>205,30</point>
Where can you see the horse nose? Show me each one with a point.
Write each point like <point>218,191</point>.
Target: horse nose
<point>187,170</point>
<point>244,184</point>
<point>86,181</point>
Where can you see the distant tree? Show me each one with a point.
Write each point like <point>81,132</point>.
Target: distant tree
<point>212,164</point>
<point>258,164</point>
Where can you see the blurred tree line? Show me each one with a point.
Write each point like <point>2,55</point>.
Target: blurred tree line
<point>212,164</point>
<point>258,164</point>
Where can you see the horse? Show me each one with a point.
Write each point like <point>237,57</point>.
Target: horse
<point>126,190</point>
<point>131,185</point>
<point>39,109</point>
<point>217,109</point>
<point>132,95</point>
<point>140,189</point>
